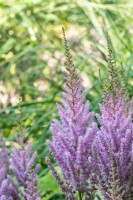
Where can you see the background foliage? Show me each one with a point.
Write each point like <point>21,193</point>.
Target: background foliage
<point>32,61</point>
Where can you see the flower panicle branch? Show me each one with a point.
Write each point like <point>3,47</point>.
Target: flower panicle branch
<point>72,138</point>
<point>22,162</point>
<point>112,150</point>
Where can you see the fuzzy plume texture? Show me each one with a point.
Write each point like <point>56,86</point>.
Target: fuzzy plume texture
<point>31,191</point>
<point>4,162</point>
<point>22,164</point>
<point>113,147</point>
<point>73,137</point>
<point>114,150</point>
<point>8,189</point>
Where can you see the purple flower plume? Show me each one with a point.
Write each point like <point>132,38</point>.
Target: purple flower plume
<point>3,197</point>
<point>8,189</point>
<point>22,163</point>
<point>72,138</point>
<point>113,147</point>
<point>4,162</point>
<point>31,191</point>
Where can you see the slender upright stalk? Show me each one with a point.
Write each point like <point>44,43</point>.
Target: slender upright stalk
<point>80,196</point>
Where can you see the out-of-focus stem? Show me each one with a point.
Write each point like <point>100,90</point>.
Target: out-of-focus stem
<point>80,196</point>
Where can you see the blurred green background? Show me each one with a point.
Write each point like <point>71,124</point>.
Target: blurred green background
<point>32,61</point>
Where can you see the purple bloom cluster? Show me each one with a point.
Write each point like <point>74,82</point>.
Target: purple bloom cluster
<point>21,162</point>
<point>93,158</point>
<point>31,189</point>
<point>113,149</point>
<point>8,190</point>
<point>72,141</point>
<point>73,137</point>
<point>113,146</point>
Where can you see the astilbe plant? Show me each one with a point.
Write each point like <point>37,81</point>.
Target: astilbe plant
<point>4,166</point>
<point>8,189</point>
<point>113,147</point>
<point>31,192</point>
<point>22,164</point>
<point>72,138</point>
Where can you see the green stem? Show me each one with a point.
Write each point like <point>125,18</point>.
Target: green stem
<point>80,196</point>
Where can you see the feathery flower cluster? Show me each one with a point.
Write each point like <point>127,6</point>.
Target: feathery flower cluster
<point>8,189</point>
<point>22,162</point>
<point>87,155</point>
<point>90,158</point>
<point>22,165</point>
<point>113,150</point>
<point>113,147</point>
<point>73,137</point>
<point>31,192</point>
